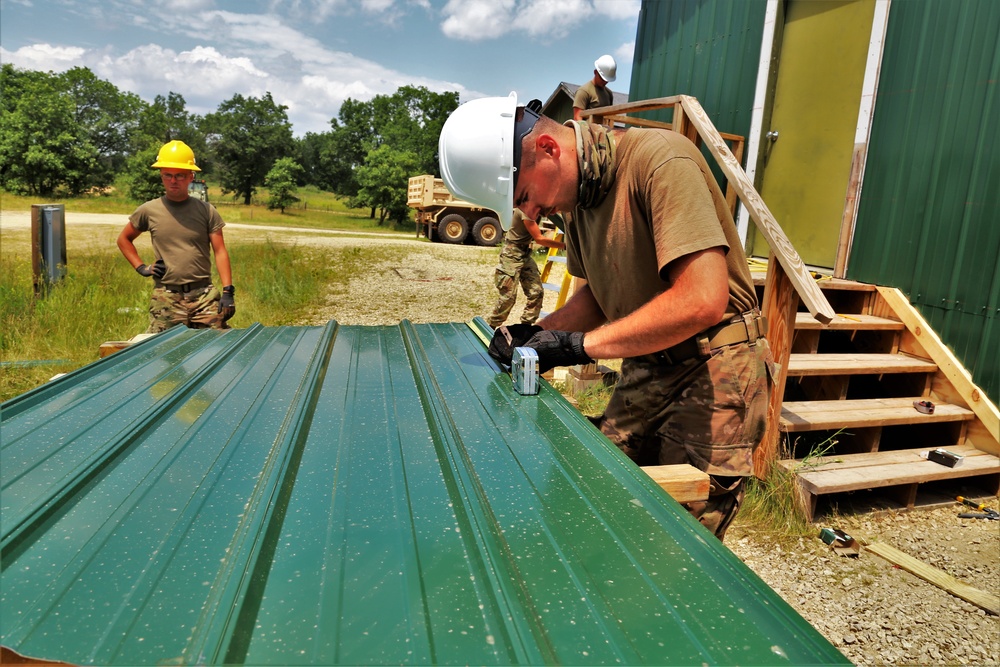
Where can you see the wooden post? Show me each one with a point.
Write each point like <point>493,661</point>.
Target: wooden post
<point>780,304</point>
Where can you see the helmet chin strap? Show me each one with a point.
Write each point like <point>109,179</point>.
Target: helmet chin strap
<point>524,121</point>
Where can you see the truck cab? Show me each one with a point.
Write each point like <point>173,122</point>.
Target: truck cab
<point>198,190</point>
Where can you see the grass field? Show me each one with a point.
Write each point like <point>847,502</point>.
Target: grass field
<point>315,210</point>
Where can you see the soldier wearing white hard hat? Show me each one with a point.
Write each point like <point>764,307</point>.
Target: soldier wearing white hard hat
<point>668,287</point>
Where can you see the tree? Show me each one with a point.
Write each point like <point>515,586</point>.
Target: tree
<point>167,119</point>
<point>143,183</point>
<point>248,135</point>
<point>110,119</point>
<point>281,183</point>
<point>42,146</point>
<point>383,180</point>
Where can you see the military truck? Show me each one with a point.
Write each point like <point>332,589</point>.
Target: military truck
<point>198,190</point>
<point>442,217</point>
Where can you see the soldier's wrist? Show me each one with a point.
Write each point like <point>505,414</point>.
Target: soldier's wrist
<point>229,289</point>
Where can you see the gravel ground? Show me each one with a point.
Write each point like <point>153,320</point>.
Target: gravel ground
<point>873,612</point>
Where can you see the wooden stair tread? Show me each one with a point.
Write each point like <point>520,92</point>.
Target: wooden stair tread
<point>855,364</point>
<point>853,472</point>
<point>859,413</point>
<point>849,322</point>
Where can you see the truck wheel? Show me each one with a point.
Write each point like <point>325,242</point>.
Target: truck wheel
<point>453,228</point>
<point>487,231</point>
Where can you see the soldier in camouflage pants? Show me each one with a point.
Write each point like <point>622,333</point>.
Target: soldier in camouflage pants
<point>198,309</point>
<point>708,412</point>
<point>518,266</point>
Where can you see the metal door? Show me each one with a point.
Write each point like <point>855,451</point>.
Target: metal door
<point>809,142</point>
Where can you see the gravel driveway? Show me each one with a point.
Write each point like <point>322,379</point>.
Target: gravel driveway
<point>873,612</point>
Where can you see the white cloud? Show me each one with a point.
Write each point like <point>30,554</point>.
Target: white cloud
<point>44,57</point>
<point>474,20</point>
<point>624,54</point>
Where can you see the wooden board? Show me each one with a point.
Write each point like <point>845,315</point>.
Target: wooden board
<point>837,479</point>
<point>943,580</point>
<point>948,363</point>
<point>856,364</point>
<point>683,482</point>
<point>851,322</point>
<point>858,413</point>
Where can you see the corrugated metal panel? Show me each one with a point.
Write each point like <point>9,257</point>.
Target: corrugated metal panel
<point>710,50</point>
<point>927,215</point>
<point>351,495</point>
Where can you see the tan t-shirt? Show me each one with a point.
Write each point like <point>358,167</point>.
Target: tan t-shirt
<point>589,96</point>
<point>517,234</point>
<point>179,232</point>
<point>664,204</point>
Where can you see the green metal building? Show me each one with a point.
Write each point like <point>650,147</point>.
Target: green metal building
<point>872,136</point>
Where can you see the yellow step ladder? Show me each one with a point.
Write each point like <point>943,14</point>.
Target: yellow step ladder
<point>553,257</point>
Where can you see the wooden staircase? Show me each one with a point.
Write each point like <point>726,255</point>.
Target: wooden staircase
<point>850,430</point>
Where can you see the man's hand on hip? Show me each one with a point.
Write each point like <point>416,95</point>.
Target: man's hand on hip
<point>506,338</point>
<point>558,348</point>
<point>157,270</point>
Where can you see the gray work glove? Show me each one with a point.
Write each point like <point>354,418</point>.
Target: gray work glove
<point>558,348</point>
<point>227,303</point>
<point>157,270</point>
<point>506,338</point>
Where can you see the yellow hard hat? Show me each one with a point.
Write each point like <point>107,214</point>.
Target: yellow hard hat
<point>175,155</point>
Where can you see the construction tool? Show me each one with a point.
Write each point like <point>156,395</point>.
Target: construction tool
<point>979,507</point>
<point>979,515</point>
<point>524,370</point>
<point>926,407</point>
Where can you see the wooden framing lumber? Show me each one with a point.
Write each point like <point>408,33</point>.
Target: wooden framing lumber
<point>863,413</point>
<point>939,578</point>
<point>683,482</point>
<point>856,364</point>
<point>950,367</point>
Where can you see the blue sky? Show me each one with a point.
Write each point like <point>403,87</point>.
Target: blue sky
<point>313,54</point>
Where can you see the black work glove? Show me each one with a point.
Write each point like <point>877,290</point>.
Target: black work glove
<point>558,348</point>
<point>506,338</point>
<point>227,303</point>
<point>157,270</point>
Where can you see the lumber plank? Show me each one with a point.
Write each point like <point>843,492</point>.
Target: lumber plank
<point>683,482</point>
<point>856,364</point>
<point>848,322</point>
<point>859,413</point>
<point>917,471</point>
<point>781,247</point>
<point>945,359</point>
<point>882,458</point>
<point>939,578</point>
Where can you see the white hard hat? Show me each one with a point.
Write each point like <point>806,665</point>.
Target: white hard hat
<point>606,67</point>
<point>479,152</point>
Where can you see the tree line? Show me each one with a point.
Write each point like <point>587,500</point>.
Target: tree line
<point>73,133</point>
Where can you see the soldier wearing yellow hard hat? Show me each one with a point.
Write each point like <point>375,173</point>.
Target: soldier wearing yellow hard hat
<point>183,231</point>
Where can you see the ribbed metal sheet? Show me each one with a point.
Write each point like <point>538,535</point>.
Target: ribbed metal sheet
<point>927,218</point>
<point>710,50</point>
<point>351,495</point>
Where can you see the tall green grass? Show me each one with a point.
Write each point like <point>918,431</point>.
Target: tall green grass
<point>102,299</point>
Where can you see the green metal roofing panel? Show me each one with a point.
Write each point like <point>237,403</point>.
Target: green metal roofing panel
<point>927,212</point>
<point>351,495</point>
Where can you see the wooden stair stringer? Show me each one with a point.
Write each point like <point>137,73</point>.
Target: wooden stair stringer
<point>917,350</point>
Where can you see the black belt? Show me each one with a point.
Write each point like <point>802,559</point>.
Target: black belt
<point>748,329</point>
<point>187,287</point>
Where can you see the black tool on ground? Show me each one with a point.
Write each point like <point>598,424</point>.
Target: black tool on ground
<point>842,543</point>
<point>979,515</point>
<point>926,407</point>
<point>944,457</point>
<point>980,507</point>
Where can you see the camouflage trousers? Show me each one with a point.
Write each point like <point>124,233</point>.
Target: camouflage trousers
<point>517,265</point>
<point>707,412</point>
<point>198,309</point>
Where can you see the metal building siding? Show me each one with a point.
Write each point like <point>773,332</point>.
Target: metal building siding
<point>709,50</point>
<point>347,495</point>
<point>927,214</point>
